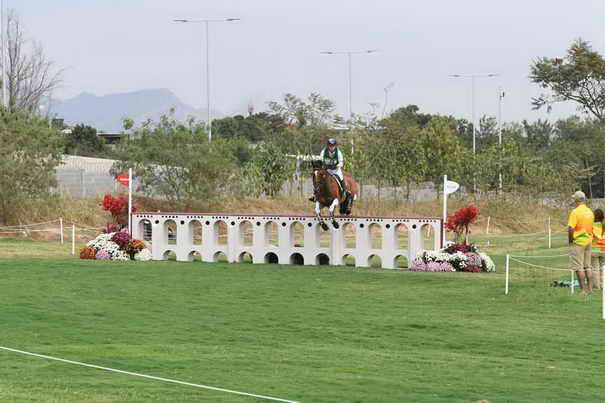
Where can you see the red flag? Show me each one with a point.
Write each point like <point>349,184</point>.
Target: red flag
<point>123,179</point>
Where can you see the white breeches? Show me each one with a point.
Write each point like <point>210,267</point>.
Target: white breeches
<point>337,172</point>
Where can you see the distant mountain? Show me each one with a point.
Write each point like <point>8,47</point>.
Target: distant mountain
<point>106,112</point>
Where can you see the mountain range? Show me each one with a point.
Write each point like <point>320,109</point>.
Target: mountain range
<point>105,113</point>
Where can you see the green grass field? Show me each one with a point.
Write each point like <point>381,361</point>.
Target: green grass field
<point>309,334</point>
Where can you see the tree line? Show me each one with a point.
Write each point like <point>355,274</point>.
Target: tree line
<point>253,155</point>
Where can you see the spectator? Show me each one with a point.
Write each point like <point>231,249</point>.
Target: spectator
<point>579,235</point>
<point>598,249</point>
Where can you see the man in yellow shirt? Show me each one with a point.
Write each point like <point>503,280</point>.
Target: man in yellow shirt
<point>580,236</point>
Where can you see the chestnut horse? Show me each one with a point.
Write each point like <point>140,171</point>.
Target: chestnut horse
<point>328,193</point>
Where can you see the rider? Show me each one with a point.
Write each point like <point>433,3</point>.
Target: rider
<point>334,161</point>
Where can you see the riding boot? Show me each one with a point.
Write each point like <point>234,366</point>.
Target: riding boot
<point>345,190</point>
<point>312,198</point>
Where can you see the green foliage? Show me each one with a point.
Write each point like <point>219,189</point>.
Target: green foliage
<point>268,170</point>
<point>238,126</point>
<point>176,162</point>
<point>83,140</point>
<point>29,153</point>
<point>579,77</point>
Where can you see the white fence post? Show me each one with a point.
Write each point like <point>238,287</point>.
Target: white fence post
<point>61,229</point>
<point>572,285</point>
<point>487,228</point>
<point>73,239</point>
<point>549,234</point>
<point>506,283</point>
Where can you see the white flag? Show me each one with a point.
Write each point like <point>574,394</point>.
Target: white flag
<point>451,187</point>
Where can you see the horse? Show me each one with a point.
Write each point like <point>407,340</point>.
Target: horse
<point>328,193</point>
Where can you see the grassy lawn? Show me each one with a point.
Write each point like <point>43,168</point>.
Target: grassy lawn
<point>310,334</point>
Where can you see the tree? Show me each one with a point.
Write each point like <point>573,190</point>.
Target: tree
<point>29,153</point>
<point>83,140</point>
<point>177,162</point>
<point>30,76</point>
<point>315,111</point>
<point>579,76</point>
<point>268,170</point>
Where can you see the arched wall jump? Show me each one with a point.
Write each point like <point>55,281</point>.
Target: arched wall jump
<point>289,239</point>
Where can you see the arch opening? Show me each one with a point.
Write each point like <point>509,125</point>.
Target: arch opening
<point>245,233</point>
<point>428,237</point>
<point>170,230</point>
<point>375,231</point>
<point>169,255</point>
<point>220,233</point>
<point>348,260</point>
<point>402,235</point>
<point>271,258</point>
<point>195,229</point>
<point>245,257</point>
<point>322,259</point>
<point>271,238</point>
<point>194,256</point>
<point>145,228</point>
<point>400,262</point>
<point>220,257</point>
<point>375,262</point>
<point>297,235</point>
<point>350,235</point>
<point>297,259</point>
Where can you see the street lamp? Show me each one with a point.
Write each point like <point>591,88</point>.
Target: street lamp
<point>349,53</point>
<point>207,22</point>
<point>473,77</point>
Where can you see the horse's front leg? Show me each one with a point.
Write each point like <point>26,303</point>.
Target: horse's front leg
<point>332,208</point>
<point>324,226</point>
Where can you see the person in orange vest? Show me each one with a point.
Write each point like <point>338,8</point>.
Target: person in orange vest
<point>598,248</point>
<point>579,235</point>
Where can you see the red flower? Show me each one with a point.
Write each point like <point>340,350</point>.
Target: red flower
<point>117,206</point>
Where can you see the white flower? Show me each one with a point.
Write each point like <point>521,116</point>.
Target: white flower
<point>120,255</point>
<point>143,255</point>
<point>100,242</point>
<point>489,263</point>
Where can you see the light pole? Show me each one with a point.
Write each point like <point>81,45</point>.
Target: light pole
<point>348,54</point>
<point>500,98</point>
<point>473,77</point>
<point>386,100</point>
<point>207,22</point>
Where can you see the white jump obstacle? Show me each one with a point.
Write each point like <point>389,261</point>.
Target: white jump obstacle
<point>297,240</point>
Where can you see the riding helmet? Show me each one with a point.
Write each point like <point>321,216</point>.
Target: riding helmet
<point>332,141</point>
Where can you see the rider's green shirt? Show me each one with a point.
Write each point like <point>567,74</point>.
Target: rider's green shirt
<point>330,158</point>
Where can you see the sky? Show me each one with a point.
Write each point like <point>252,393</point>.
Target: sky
<point>113,46</point>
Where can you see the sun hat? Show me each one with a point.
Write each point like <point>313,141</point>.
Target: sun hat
<point>579,196</point>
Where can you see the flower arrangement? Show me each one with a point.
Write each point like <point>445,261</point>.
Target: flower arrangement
<point>453,258</point>
<point>115,246</point>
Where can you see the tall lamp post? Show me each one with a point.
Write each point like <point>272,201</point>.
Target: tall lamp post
<point>207,22</point>
<point>349,54</point>
<point>473,77</point>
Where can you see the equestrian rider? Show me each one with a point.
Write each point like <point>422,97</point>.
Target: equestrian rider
<point>334,161</point>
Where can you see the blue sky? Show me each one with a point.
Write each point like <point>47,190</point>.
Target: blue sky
<point>119,46</point>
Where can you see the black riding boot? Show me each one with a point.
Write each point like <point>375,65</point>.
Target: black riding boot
<point>345,190</point>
